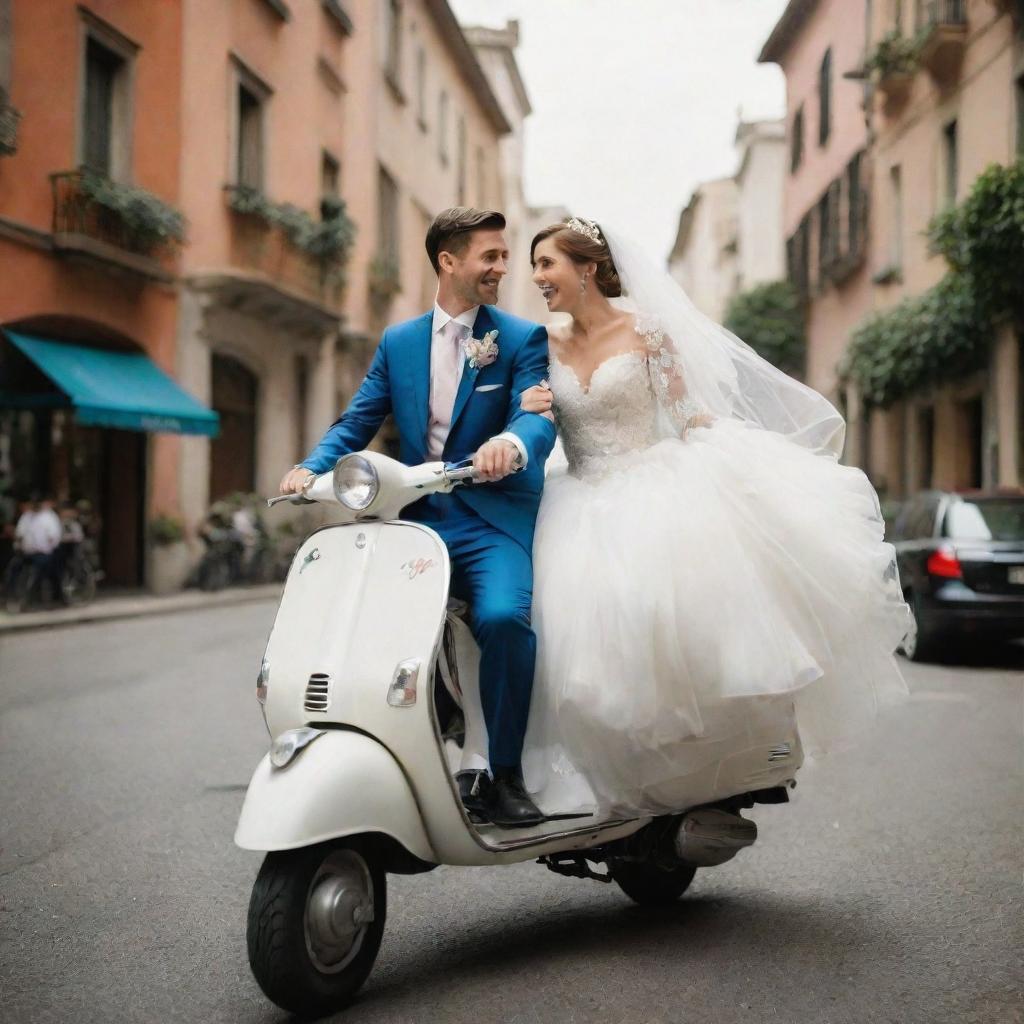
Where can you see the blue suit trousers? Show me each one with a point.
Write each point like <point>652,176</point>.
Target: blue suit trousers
<point>495,574</point>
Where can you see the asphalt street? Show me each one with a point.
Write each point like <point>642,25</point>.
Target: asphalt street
<point>889,891</point>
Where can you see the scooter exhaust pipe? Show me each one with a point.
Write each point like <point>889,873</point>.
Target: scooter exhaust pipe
<point>709,836</point>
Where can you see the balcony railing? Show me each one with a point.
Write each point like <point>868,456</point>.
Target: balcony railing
<point>942,26</point>
<point>9,121</point>
<point>263,247</point>
<point>941,12</point>
<point>113,222</point>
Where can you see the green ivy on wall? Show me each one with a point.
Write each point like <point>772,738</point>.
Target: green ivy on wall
<point>146,219</point>
<point>770,319</point>
<point>328,240</point>
<point>935,338</point>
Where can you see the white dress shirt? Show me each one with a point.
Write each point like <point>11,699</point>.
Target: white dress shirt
<point>437,432</point>
<point>38,533</point>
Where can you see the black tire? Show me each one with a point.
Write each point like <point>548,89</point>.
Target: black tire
<point>281,936</point>
<point>650,885</point>
<point>20,584</point>
<point>921,643</point>
<point>214,573</point>
<point>78,583</point>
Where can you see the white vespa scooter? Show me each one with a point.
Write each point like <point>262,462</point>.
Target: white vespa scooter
<point>369,691</point>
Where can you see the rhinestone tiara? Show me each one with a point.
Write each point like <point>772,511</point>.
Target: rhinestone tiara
<point>585,227</point>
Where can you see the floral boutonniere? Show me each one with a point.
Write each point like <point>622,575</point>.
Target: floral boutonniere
<point>483,351</point>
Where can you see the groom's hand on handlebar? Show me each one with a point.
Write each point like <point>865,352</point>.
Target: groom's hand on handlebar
<point>295,479</point>
<point>495,460</point>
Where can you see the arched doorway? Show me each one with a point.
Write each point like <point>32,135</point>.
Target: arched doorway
<point>234,392</point>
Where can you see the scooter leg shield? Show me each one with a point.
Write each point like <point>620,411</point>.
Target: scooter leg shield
<point>341,784</point>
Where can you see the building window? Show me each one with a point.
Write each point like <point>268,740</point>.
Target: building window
<point>106,116</point>
<point>393,41</point>
<point>387,217</point>
<point>460,157</point>
<point>442,128</point>
<point>895,217</point>
<point>828,231</point>
<point>825,98</point>
<point>798,251</point>
<point>1020,114</point>
<point>950,162</point>
<point>330,175</point>
<point>856,207</point>
<point>481,177</point>
<point>796,142</point>
<point>421,88</point>
<point>249,142</point>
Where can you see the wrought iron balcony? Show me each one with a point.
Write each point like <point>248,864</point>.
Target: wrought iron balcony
<point>942,26</point>
<point>9,121</point>
<point>113,223</point>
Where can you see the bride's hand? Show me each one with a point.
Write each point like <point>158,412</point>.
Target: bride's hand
<point>537,399</point>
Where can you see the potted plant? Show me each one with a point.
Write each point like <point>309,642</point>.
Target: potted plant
<point>168,566</point>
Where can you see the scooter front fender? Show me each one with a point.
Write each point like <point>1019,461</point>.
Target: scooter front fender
<point>342,784</point>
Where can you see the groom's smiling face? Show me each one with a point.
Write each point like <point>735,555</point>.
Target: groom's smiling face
<point>476,272</point>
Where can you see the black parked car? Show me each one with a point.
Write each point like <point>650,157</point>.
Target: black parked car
<point>961,561</point>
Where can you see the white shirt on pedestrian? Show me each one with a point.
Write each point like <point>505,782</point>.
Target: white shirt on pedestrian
<point>38,532</point>
<point>442,390</point>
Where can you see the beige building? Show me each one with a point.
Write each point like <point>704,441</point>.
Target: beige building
<point>381,103</point>
<point>262,139</point>
<point>730,233</point>
<point>761,251</point>
<point>703,257</point>
<point>495,49</point>
<point>935,129</point>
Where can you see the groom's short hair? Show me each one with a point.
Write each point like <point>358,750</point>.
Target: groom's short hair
<point>452,229</point>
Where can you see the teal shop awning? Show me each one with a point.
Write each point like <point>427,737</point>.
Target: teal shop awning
<point>126,390</point>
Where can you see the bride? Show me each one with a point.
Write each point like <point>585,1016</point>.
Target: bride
<point>700,544</point>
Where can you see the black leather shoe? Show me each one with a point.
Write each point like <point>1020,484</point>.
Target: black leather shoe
<point>474,787</point>
<point>508,804</point>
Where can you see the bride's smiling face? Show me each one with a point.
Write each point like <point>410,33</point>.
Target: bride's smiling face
<point>557,276</point>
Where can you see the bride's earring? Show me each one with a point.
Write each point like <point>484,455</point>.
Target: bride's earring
<point>583,283</point>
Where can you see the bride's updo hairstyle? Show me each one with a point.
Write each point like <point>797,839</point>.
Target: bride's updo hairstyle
<point>580,247</point>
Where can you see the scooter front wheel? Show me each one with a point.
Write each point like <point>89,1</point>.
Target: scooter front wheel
<point>316,919</point>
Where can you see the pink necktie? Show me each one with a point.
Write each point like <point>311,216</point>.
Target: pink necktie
<point>444,382</point>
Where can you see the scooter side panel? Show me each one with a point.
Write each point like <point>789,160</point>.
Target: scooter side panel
<point>342,784</point>
<point>360,599</point>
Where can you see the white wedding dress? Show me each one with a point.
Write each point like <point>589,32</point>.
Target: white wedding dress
<point>680,579</point>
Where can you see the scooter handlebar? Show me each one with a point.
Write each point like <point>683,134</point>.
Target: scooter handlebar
<point>293,499</point>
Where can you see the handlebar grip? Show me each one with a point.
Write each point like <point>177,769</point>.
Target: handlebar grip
<point>293,499</point>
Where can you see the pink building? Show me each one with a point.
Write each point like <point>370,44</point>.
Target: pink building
<point>825,198</point>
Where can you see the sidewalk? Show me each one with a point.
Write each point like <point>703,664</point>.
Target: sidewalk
<point>133,605</point>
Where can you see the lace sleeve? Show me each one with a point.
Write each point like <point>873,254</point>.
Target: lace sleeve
<point>666,369</point>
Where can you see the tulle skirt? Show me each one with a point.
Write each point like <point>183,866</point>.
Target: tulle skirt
<point>681,589</point>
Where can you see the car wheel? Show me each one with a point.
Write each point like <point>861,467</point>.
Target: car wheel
<point>920,643</point>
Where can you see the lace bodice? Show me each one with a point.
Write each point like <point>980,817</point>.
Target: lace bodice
<point>618,412</point>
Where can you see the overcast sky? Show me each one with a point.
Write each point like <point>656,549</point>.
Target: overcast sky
<point>635,101</point>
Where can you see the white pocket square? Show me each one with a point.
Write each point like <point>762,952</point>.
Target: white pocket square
<point>490,387</point>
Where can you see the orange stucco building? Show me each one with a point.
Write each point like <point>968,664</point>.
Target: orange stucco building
<point>275,128</point>
<point>109,97</point>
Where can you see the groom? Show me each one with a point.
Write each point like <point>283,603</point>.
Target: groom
<point>452,378</point>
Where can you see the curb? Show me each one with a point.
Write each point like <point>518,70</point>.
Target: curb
<point>113,608</point>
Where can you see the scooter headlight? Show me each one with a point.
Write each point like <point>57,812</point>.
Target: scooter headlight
<point>356,483</point>
<point>288,744</point>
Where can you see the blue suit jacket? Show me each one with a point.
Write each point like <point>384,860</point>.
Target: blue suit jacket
<point>398,382</point>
